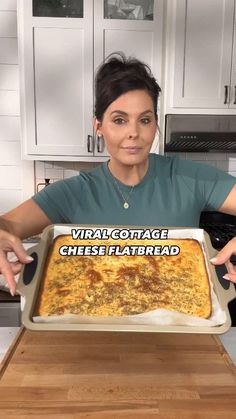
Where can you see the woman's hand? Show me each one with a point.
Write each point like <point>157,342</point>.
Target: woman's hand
<point>11,243</point>
<point>224,257</point>
<point>23,221</point>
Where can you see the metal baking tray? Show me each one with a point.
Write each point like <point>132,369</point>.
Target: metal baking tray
<point>30,278</point>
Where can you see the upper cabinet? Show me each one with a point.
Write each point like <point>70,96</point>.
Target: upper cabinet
<point>61,44</point>
<point>203,54</point>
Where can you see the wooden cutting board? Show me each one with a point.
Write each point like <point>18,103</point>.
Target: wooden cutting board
<point>70,375</point>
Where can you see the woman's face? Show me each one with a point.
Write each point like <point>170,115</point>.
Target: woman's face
<point>129,127</point>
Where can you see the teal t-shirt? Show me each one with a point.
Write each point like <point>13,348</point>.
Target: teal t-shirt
<point>172,193</point>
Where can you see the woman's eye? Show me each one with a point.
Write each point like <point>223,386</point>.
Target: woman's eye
<point>119,121</point>
<point>145,120</point>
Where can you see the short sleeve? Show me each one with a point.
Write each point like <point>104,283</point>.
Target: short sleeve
<point>209,185</point>
<point>56,201</point>
<point>217,188</point>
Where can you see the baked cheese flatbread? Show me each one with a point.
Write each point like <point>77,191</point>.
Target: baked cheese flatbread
<point>114,285</point>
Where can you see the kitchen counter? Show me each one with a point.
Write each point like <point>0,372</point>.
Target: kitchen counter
<point>72,375</point>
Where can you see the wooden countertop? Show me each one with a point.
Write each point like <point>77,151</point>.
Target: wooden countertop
<point>70,375</point>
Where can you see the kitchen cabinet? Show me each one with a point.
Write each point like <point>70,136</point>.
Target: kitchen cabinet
<point>204,54</point>
<point>61,44</point>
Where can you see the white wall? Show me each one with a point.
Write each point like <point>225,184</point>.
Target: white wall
<point>16,175</point>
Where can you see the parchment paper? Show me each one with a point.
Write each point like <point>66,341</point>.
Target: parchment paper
<point>159,317</point>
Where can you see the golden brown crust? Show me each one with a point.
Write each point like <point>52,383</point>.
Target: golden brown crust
<point>125,285</point>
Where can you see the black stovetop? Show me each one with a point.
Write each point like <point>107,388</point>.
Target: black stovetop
<point>220,227</point>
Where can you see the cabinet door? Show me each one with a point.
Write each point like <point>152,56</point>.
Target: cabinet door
<point>134,27</point>
<point>233,77</point>
<point>203,50</point>
<point>56,50</point>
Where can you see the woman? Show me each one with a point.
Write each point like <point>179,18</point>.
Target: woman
<point>134,187</point>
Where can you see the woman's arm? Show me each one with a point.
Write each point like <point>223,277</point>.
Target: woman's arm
<point>24,221</point>
<point>228,207</point>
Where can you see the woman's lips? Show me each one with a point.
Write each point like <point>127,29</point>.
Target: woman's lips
<point>132,150</point>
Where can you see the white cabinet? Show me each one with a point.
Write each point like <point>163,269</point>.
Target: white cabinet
<point>203,54</point>
<point>59,51</point>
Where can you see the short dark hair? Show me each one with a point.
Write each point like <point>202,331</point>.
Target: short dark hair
<point>119,75</point>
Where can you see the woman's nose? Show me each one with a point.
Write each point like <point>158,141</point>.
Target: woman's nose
<point>133,131</point>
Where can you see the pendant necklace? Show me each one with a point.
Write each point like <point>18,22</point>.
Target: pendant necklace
<point>126,198</point>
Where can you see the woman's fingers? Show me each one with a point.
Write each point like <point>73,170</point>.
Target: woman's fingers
<point>224,257</point>
<point>11,243</point>
<point>230,277</point>
<point>225,254</point>
<point>16,267</point>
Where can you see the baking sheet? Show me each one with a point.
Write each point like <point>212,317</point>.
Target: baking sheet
<point>159,316</point>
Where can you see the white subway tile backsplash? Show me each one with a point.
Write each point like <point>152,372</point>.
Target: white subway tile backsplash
<point>172,154</point>
<point>9,102</point>
<point>216,156</point>
<point>47,165</point>
<point>28,179</point>
<point>10,177</point>
<point>9,128</point>
<point>64,165</point>
<point>69,173</point>
<point>232,165</point>
<point>10,153</point>
<point>231,155</point>
<point>8,24</point>
<point>9,199</point>
<point>54,173</point>
<point>39,170</point>
<point>8,51</point>
<point>196,156</point>
<point>9,77</point>
<point>227,166</point>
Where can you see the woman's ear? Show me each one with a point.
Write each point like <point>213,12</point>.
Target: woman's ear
<point>96,124</point>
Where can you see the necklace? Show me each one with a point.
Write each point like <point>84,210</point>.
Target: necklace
<point>125,198</point>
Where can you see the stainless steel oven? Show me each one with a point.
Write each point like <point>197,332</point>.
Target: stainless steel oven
<point>10,313</point>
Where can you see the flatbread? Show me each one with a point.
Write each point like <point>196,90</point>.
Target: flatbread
<point>112,285</point>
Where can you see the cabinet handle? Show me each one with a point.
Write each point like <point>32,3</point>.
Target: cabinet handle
<point>226,94</point>
<point>100,144</point>
<point>234,95</point>
<point>90,143</point>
